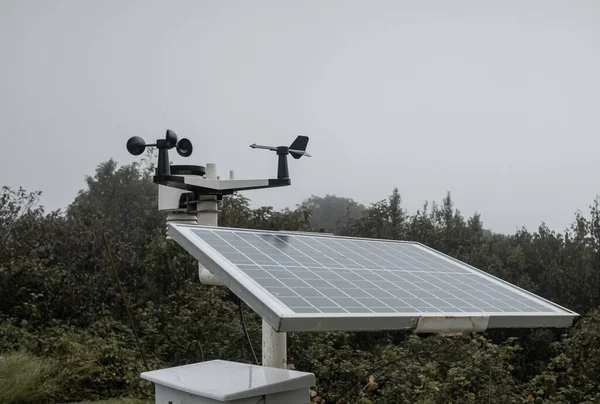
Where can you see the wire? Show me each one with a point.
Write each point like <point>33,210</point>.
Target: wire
<point>124,297</point>
<point>243,321</point>
<point>490,387</point>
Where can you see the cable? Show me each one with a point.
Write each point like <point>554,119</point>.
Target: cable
<point>124,297</point>
<point>243,321</point>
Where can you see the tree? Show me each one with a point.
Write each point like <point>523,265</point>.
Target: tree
<point>329,212</point>
<point>13,205</point>
<point>59,300</point>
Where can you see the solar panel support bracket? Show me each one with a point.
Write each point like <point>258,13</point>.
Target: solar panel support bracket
<point>428,324</point>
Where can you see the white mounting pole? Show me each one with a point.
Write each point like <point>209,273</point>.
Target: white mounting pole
<point>274,344</point>
<point>208,216</point>
<point>274,347</point>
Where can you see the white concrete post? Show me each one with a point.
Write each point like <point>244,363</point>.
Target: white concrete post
<point>274,347</point>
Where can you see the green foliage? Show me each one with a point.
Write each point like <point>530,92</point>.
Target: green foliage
<point>13,205</point>
<point>235,212</point>
<point>65,333</point>
<point>79,364</point>
<point>573,374</point>
<point>421,370</point>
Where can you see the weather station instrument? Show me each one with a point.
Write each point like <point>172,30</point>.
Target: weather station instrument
<point>311,282</point>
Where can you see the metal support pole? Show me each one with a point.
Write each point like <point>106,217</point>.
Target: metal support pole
<point>274,344</point>
<point>207,210</point>
<point>207,215</point>
<point>274,347</point>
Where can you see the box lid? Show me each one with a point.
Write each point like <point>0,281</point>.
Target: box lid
<point>224,380</point>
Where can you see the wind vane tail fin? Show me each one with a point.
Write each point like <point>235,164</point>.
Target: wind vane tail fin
<point>299,146</point>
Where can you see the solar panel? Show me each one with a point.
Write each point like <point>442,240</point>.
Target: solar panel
<point>311,282</point>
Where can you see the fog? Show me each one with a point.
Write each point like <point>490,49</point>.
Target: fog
<point>496,102</point>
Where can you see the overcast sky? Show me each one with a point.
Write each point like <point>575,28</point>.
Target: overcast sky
<point>495,101</point>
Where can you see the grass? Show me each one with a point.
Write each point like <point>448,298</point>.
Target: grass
<point>121,401</point>
<point>116,401</point>
<point>26,378</point>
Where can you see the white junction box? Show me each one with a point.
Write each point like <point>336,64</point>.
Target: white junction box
<point>218,382</point>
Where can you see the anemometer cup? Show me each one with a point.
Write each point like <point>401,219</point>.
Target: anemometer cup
<point>184,147</point>
<point>136,145</point>
<point>171,138</point>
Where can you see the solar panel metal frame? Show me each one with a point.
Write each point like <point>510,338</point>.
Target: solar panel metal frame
<point>282,318</point>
